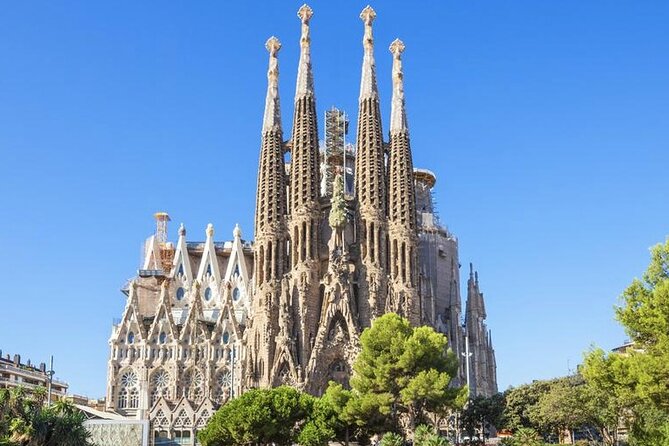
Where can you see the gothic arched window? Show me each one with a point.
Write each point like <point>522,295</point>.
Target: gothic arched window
<point>160,382</point>
<point>128,395</point>
<point>131,337</point>
<point>180,293</point>
<point>207,294</point>
<point>133,401</point>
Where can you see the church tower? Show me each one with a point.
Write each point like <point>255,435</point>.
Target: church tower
<point>483,372</point>
<point>304,200</point>
<point>270,232</point>
<point>370,185</point>
<point>402,230</point>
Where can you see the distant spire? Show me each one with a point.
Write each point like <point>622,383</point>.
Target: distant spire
<point>305,77</point>
<point>182,230</point>
<point>398,118</point>
<point>368,87</point>
<point>272,119</point>
<point>471,271</point>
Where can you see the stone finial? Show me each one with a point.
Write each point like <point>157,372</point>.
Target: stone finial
<point>182,230</point>
<point>368,15</point>
<point>273,45</point>
<point>237,232</point>
<point>305,13</point>
<point>397,48</point>
<point>210,230</point>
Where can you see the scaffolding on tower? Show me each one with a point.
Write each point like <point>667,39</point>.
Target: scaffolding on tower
<point>166,248</point>
<point>336,150</point>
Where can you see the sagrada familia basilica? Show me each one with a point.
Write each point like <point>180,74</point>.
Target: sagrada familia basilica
<point>343,234</point>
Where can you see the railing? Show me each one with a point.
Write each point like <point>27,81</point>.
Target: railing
<point>33,386</point>
<point>151,273</point>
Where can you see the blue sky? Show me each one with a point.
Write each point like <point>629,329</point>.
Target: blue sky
<point>545,122</point>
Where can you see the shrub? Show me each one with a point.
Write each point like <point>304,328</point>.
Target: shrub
<point>392,439</point>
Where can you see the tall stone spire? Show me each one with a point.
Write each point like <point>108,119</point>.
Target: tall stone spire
<point>270,230</point>
<point>398,116</point>
<point>304,195</point>
<point>483,377</point>
<point>370,183</point>
<point>368,87</point>
<point>271,190</point>
<point>402,228</point>
<point>304,157</point>
<point>272,117</point>
<point>305,77</point>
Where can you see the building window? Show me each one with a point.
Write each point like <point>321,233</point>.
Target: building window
<point>128,396</point>
<point>236,294</point>
<point>180,293</point>
<point>133,402</point>
<point>131,337</point>
<point>162,337</point>
<point>226,337</point>
<point>123,399</point>
<point>160,382</point>
<point>207,294</point>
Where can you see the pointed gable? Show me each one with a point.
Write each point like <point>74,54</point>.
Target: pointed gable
<point>226,322</point>
<point>209,269</point>
<point>130,326</point>
<point>160,413</point>
<point>152,259</point>
<point>181,267</point>
<point>237,264</point>
<point>163,321</point>
<point>192,329</point>
<point>184,414</point>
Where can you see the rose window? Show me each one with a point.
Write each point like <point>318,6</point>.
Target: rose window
<point>225,379</point>
<point>161,379</point>
<point>129,379</point>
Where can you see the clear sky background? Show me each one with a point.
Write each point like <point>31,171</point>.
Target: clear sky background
<point>546,124</point>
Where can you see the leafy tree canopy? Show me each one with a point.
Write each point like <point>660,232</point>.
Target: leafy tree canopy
<point>631,386</point>
<point>401,369</point>
<point>259,416</point>
<point>26,421</point>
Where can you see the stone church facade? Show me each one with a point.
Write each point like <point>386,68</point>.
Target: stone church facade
<point>206,320</point>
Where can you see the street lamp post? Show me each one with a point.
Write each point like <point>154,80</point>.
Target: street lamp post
<point>50,374</point>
